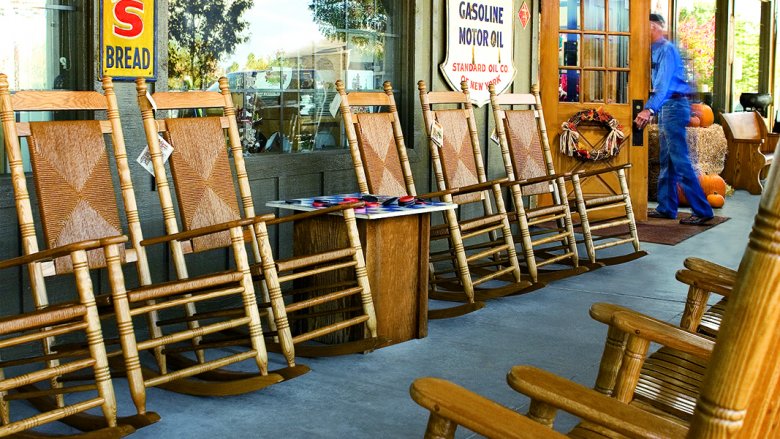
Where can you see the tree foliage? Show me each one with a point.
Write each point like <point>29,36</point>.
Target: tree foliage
<point>696,32</point>
<point>201,32</point>
<point>335,16</point>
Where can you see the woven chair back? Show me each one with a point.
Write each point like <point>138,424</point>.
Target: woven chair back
<point>458,162</point>
<point>379,152</point>
<point>74,186</point>
<point>200,158</point>
<point>525,148</point>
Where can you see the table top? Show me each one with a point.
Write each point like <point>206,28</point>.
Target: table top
<point>380,211</point>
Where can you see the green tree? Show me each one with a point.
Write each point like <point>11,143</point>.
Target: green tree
<point>201,32</point>
<point>255,63</point>
<point>696,32</point>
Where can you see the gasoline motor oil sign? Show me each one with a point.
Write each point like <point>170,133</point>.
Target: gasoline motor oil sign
<point>128,44</point>
<point>479,46</point>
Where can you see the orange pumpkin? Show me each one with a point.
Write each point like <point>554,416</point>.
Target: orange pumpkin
<point>681,200</point>
<point>694,122</point>
<point>712,183</point>
<point>705,114</point>
<point>716,200</point>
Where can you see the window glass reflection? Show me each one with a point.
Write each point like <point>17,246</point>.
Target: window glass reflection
<point>594,51</point>
<point>570,14</point>
<point>618,51</point>
<point>569,86</point>
<point>568,50</point>
<point>594,14</point>
<point>593,86</point>
<point>617,92</point>
<point>619,16</point>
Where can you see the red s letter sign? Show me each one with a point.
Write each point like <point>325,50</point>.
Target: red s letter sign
<point>129,15</point>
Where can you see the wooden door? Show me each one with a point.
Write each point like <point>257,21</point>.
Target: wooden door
<point>596,54</point>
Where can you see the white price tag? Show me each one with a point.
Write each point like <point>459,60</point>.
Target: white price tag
<point>494,137</point>
<point>437,134</point>
<point>335,105</point>
<point>145,159</point>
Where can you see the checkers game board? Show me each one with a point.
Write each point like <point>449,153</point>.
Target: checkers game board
<point>384,206</point>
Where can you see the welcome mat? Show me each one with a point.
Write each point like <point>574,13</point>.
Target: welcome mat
<point>663,231</point>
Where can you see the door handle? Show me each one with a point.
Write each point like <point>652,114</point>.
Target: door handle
<point>637,137</point>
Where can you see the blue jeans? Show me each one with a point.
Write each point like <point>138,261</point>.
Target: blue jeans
<point>675,163</point>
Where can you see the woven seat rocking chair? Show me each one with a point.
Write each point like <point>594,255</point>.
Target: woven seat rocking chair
<point>202,176</point>
<point>382,167</point>
<point>77,197</point>
<point>459,127</point>
<point>32,332</point>
<point>522,134</point>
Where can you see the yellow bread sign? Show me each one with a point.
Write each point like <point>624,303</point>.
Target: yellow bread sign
<point>128,39</point>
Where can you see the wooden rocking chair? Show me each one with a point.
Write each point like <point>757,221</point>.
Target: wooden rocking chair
<point>459,127</point>
<point>77,198</point>
<point>203,178</point>
<point>738,397</point>
<point>33,331</point>
<point>382,167</point>
<point>513,128</point>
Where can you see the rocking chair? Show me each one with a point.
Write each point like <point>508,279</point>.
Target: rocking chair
<point>382,167</point>
<point>737,397</point>
<point>202,177</point>
<point>77,198</point>
<point>513,126</point>
<point>460,128</point>
<point>33,331</point>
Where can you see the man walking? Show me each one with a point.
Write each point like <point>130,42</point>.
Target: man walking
<point>669,100</point>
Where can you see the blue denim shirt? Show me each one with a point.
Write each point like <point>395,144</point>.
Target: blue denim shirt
<point>668,74</point>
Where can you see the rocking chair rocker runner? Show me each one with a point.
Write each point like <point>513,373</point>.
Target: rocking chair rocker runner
<point>78,201</point>
<point>460,128</point>
<point>33,330</point>
<point>201,174</point>
<point>512,127</point>
<point>382,167</point>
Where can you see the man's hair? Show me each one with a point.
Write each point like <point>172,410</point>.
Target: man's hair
<point>658,18</point>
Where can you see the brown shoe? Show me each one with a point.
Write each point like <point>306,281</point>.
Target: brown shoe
<point>656,214</point>
<point>694,220</point>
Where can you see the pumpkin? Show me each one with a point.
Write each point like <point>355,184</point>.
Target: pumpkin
<point>716,200</point>
<point>704,113</point>
<point>712,183</point>
<point>694,122</point>
<point>681,200</point>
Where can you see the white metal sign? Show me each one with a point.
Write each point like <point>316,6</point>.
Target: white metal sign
<point>479,46</point>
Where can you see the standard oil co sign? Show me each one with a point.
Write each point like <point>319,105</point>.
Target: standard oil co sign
<point>128,39</point>
<point>479,46</point>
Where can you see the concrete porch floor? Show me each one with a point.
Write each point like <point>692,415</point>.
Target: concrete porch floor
<point>366,396</point>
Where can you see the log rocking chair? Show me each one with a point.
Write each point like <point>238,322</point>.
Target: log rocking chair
<point>525,148</point>
<point>460,128</point>
<point>78,200</point>
<point>202,176</point>
<point>382,167</point>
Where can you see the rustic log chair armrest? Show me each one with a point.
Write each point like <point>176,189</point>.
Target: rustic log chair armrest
<point>547,389</point>
<point>701,265</point>
<point>663,333</point>
<point>64,250</point>
<point>463,407</point>
<point>314,213</point>
<point>189,234</point>
<point>603,170</point>
<point>480,186</point>
<point>704,282</point>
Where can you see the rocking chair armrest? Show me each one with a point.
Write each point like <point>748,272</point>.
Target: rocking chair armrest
<point>313,213</point>
<point>590,405</point>
<point>707,267</point>
<point>437,194</point>
<point>216,228</point>
<point>750,141</point>
<point>599,171</point>
<point>479,186</point>
<point>454,403</point>
<point>663,333</point>
<point>64,250</point>
<point>705,282</point>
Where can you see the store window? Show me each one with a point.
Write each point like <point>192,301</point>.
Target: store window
<point>45,46</point>
<point>696,35</point>
<point>284,63</point>
<point>593,45</point>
